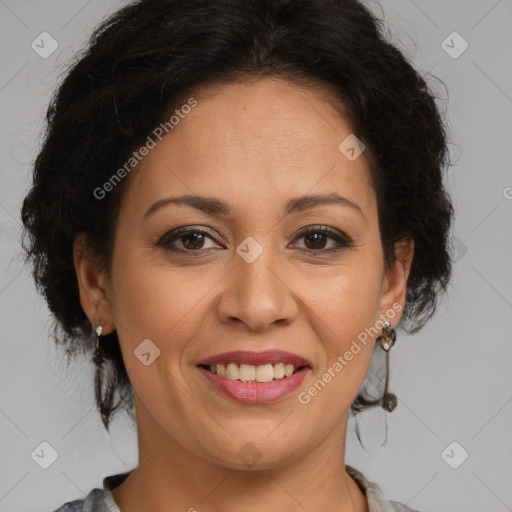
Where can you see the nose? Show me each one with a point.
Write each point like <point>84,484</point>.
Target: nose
<point>257,294</point>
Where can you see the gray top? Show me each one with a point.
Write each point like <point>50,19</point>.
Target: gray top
<point>101,500</point>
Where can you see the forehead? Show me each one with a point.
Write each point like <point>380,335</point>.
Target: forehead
<point>252,144</point>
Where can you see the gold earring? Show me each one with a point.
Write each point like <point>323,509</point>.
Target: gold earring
<point>387,340</point>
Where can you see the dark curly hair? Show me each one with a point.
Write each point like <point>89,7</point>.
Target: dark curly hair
<point>150,54</point>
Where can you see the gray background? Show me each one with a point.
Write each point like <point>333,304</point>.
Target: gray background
<point>453,379</point>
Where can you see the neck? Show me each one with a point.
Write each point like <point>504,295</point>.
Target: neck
<point>171,476</point>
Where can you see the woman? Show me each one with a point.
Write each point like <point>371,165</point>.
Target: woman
<point>235,204</point>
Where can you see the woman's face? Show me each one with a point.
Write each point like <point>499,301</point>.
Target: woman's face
<point>247,277</point>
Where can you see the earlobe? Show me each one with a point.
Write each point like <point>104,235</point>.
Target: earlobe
<point>394,288</point>
<point>92,284</point>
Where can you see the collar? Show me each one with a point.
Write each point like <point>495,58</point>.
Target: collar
<point>376,500</point>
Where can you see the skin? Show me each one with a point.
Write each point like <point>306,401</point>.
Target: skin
<point>253,146</point>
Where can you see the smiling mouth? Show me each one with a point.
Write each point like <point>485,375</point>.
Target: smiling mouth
<point>254,374</point>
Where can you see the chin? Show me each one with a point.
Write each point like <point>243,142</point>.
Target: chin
<point>253,453</point>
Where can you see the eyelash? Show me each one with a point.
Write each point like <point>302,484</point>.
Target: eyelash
<point>343,241</point>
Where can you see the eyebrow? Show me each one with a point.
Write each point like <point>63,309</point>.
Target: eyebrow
<point>212,206</point>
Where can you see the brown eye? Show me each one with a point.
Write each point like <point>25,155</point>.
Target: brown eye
<point>315,240</point>
<point>192,240</point>
<point>186,240</point>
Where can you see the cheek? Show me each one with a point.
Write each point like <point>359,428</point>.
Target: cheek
<point>350,299</point>
<point>349,310</point>
<point>347,304</point>
<point>157,302</point>
<point>161,304</point>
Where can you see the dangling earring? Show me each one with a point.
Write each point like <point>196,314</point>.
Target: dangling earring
<point>387,340</point>
<point>104,380</point>
<point>98,354</point>
<point>387,402</point>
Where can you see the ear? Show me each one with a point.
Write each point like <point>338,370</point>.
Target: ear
<point>93,284</point>
<point>394,284</point>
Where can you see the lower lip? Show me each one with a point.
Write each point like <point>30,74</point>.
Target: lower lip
<point>256,393</point>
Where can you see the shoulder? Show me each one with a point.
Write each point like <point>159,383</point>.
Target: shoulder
<point>400,507</point>
<point>377,502</point>
<point>93,502</point>
<point>98,500</point>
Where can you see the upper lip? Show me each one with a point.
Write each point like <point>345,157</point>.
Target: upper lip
<point>256,358</point>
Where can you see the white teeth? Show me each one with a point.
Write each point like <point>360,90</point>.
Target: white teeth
<point>264,373</point>
<point>279,370</point>
<point>251,373</point>
<point>247,372</point>
<point>232,371</point>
